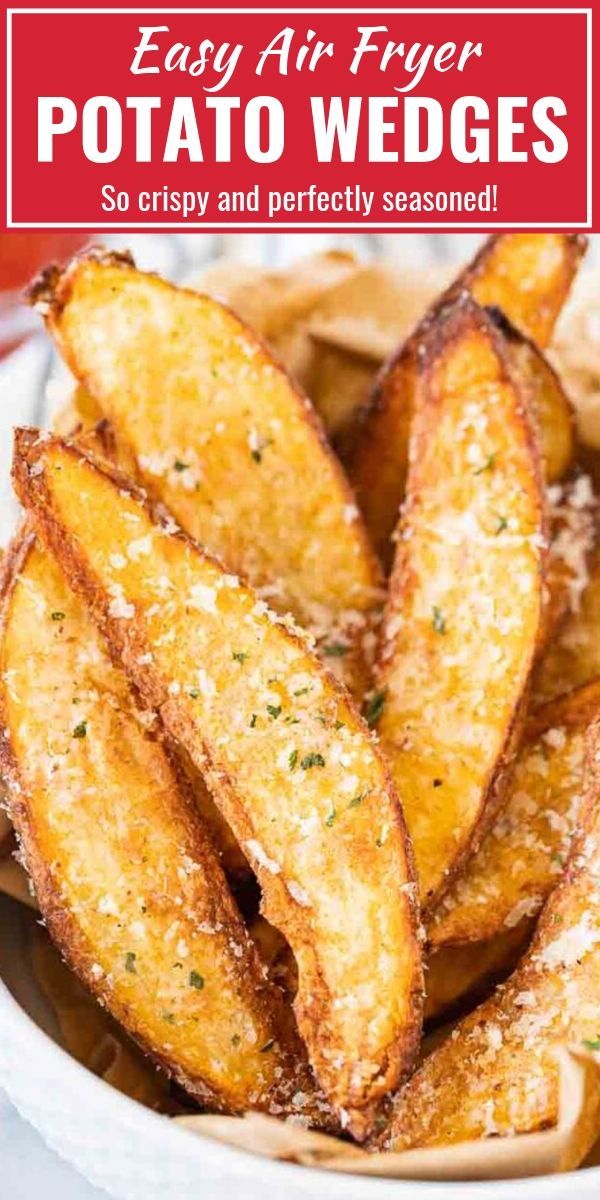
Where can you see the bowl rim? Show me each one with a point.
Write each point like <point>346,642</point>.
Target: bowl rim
<point>239,1162</point>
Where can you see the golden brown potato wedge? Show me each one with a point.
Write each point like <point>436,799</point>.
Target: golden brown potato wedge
<point>527,276</point>
<point>221,436</point>
<point>573,656</point>
<point>285,753</point>
<point>465,605</point>
<point>99,438</point>
<point>498,1073</point>
<point>458,976</point>
<point>126,878</point>
<point>523,855</point>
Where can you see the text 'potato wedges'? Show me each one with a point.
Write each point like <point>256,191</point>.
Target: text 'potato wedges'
<point>528,278</point>
<point>522,856</point>
<point>287,758</point>
<point>498,1074</point>
<point>465,606</point>
<point>220,434</point>
<point>126,878</point>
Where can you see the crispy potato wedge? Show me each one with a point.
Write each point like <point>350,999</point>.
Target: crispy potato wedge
<point>498,1073</point>
<point>522,856</point>
<point>125,876</point>
<point>527,276</point>
<point>99,438</point>
<point>456,976</point>
<point>573,656</point>
<point>221,436</point>
<point>465,606</point>
<point>286,756</point>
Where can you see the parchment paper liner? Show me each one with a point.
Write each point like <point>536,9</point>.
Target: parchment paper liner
<point>545,1153</point>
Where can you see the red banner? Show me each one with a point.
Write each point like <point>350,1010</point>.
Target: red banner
<point>324,119</point>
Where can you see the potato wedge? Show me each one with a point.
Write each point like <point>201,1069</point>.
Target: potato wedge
<point>99,438</point>
<point>126,878</point>
<point>465,606</point>
<point>222,437</point>
<point>286,756</point>
<point>573,657</point>
<point>523,855</point>
<point>498,1074</point>
<point>527,276</point>
<point>456,976</point>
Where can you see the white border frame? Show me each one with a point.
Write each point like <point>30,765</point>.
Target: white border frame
<point>297,226</point>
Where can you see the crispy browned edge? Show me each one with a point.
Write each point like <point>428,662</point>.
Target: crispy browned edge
<point>32,491</point>
<point>364,432</point>
<point>449,321</point>
<point>516,337</point>
<point>70,942</point>
<point>50,292</point>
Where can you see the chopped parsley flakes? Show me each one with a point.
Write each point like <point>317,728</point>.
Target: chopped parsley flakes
<point>180,466</point>
<point>502,524</point>
<point>293,759</point>
<point>130,966</point>
<point>312,760</point>
<point>591,1043</point>
<point>358,799</point>
<point>274,711</point>
<point>239,656</point>
<point>331,818</point>
<point>335,650</point>
<point>58,616</point>
<point>373,707</point>
<point>80,730</point>
<point>196,981</point>
<point>438,619</point>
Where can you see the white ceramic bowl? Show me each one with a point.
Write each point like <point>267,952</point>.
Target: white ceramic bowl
<point>136,1155</point>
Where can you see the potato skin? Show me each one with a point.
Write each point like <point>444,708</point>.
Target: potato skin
<point>498,1074</point>
<point>220,435</point>
<point>465,605</point>
<point>286,755</point>
<point>528,277</point>
<point>126,877</point>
